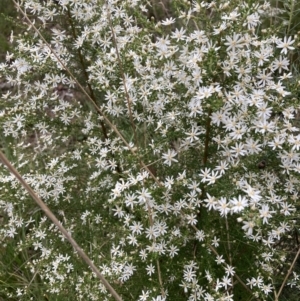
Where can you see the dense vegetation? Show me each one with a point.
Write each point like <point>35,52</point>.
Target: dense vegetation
<point>164,136</point>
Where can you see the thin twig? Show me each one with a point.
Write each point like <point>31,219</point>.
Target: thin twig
<point>229,247</point>
<point>112,126</point>
<point>123,77</point>
<point>292,7</point>
<point>103,115</point>
<point>157,261</point>
<point>92,95</point>
<point>160,278</point>
<point>235,275</point>
<point>62,229</point>
<point>207,136</point>
<point>287,275</point>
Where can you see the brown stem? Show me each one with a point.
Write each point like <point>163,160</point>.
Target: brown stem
<point>99,111</point>
<point>157,261</point>
<point>205,156</point>
<point>91,91</point>
<point>123,78</point>
<point>63,230</point>
<point>207,137</point>
<point>229,248</point>
<point>287,275</point>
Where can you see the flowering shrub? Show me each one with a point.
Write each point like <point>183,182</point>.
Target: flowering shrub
<point>165,138</point>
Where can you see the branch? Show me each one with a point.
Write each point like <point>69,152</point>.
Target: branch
<point>229,246</point>
<point>207,134</point>
<point>235,275</point>
<point>63,230</point>
<point>287,275</point>
<point>123,78</point>
<point>112,126</point>
<point>92,95</point>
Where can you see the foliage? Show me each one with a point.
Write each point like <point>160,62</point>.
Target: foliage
<point>165,137</point>
<point>7,20</point>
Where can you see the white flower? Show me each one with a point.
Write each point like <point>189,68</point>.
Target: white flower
<point>136,228</point>
<point>226,281</point>
<point>144,296</point>
<point>211,202</point>
<point>248,226</point>
<point>189,274</point>
<point>238,150</point>
<point>21,65</point>
<point>169,157</point>
<point>179,34</point>
<point>144,195</point>
<point>158,298</point>
<point>211,179</point>
<point>192,135</point>
<point>168,21</point>
<point>265,213</point>
<point>18,120</point>
<point>229,270</point>
<point>285,44</point>
<point>253,194</point>
<point>200,235</point>
<point>215,241</point>
<point>239,204</point>
<point>220,259</point>
<point>150,269</point>
<point>252,21</point>
<point>234,42</point>
<point>173,250</point>
<point>223,206</point>
<point>191,219</point>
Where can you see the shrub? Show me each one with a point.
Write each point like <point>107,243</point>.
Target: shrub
<point>165,138</point>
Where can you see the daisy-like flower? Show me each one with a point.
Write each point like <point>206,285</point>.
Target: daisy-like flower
<point>223,206</point>
<point>189,274</point>
<point>204,174</point>
<point>252,21</point>
<point>192,135</point>
<point>211,178</point>
<point>21,65</point>
<point>179,34</point>
<point>280,64</point>
<point>168,21</point>
<point>265,213</point>
<point>150,269</point>
<point>234,42</point>
<point>285,44</point>
<point>248,226</point>
<point>169,157</point>
<point>191,219</point>
<point>215,241</point>
<point>252,193</point>
<point>220,259</point>
<point>144,195</point>
<point>239,204</point>
<point>211,202</point>
<point>238,150</point>
<point>226,281</point>
<point>173,250</point>
<point>136,228</point>
<point>200,235</point>
<point>223,165</point>
<point>144,296</point>
<point>229,270</point>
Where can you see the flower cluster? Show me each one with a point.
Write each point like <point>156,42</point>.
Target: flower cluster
<point>167,145</point>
